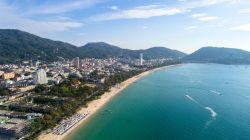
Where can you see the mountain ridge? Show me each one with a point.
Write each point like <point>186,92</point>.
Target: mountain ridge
<point>16,46</point>
<point>222,55</point>
<point>150,53</point>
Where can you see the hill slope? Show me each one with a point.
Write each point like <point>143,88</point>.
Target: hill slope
<point>99,50</point>
<point>219,55</point>
<point>104,50</point>
<point>17,45</point>
<point>163,52</point>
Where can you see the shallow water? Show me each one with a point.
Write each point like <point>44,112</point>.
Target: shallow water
<point>191,102</point>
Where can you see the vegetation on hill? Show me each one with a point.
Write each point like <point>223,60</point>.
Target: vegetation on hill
<point>16,46</point>
<point>100,50</point>
<point>161,52</point>
<point>219,55</point>
<point>104,50</point>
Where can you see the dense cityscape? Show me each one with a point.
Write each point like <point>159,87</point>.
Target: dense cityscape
<point>31,91</point>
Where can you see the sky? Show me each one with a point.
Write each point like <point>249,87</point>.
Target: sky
<point>184,25</point>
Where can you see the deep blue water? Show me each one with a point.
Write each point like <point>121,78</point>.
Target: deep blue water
<point>170,104</point>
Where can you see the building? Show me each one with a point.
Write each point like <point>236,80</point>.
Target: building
<point>76,83</point>
<point>76,62</point>
<point>102,80</point>
<point>13,128</point>
<point>37,64</point>
<point>8,75</point>
<point>141,59</point>
<point>40,77</point>
<point>1,73</point>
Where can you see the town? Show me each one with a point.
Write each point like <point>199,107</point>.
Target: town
<point>32,92</point>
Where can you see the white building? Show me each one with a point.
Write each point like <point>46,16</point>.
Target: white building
<point>40,77</point>
<point>37,64</point>
<point>141,59</point>
<point>1,73</point>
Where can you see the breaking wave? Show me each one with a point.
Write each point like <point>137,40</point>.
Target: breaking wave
<point>213,113</point>
<point>192,99</point>
<point>216,92</point>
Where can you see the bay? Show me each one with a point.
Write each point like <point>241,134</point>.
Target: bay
<point>185,102</point>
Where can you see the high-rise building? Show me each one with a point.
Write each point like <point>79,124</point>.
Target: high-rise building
<point>76,62</point>
<point>41,77</point>
<point>141,59</point>
<point>37,64</point>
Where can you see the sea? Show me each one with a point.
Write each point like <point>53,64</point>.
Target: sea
<point>184,102</point>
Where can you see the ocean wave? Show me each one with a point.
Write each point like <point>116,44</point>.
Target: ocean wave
<point>216,92</point>
<point>193,81</point>
<point>213,113</point>
<point>192,99</point>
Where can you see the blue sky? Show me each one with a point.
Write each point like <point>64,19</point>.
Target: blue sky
<point>184,25</point>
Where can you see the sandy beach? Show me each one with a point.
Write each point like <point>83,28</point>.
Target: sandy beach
<point>94,106</point>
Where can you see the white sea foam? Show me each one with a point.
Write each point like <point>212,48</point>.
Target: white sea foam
<point>213,113</point>
<point>193,81</point>
<point>216,92</point>
<point>192,99</point>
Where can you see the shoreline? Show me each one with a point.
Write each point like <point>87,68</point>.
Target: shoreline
<point>95,105</point>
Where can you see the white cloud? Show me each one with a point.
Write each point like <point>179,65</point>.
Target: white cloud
<point>148,11</point>
<point>114,8</point>
<point>207,18</point>
<point>63,7</point>
<point>190,27</point>
<point>182,0</point>
<point>205,3</point>
<point>244,27</point>
<point>235,1</point>
<point>145,27</point>
<point>244,11</point>
<point>203,17</point>
<point>213,2</point>
<point>11,19</point>
<point>197,15</point>
<point>141,12</point>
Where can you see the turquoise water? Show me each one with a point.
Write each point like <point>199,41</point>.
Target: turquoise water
<point>171,105</point>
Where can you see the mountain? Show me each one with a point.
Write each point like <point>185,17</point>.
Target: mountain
<point>219,55</point>
<point>16,46</point>
<point>163,52</point>
<point>100,50</point>
<point>104,50</point>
